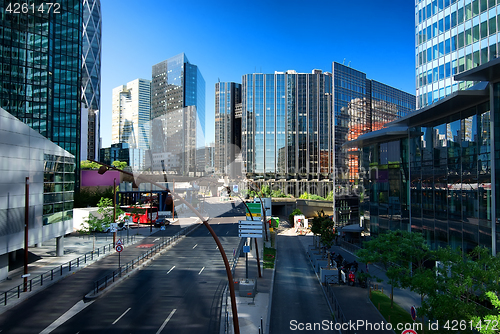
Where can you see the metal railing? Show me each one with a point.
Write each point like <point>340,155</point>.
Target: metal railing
<point>103,282</point>
<point>337,310</point>
<point>58,272</point>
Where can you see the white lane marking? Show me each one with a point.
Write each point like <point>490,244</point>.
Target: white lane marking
<point>217,247</point>
<point>168,272</point>
<point>114,322</point>
<point>156,239</point>
<point>66,316</point>
<point>195,246</point>
<point>166,320</point>
<point>201,270</point>
<point>227,232</point>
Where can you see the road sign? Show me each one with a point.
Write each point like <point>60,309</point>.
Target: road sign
<point>255,209</point>
<point>113,227</point>
<point>250,229</point>
<point>246,249</point>
<point>119,248</point>
<point>119,242</point>
<point>162,228</point>
<point>413,312</point>
<point>235,188</point>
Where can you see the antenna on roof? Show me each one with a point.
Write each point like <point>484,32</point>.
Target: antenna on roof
<point>343,63</point>
<point>349,65</point>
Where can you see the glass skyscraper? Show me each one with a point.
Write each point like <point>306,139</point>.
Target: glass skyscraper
<point>286,129</point>
<point>361,105</point>
<point>91,72</point>
<point>452,36</point>
<point>177,94</point>
<point>41,64</point>
<point>227,125</point>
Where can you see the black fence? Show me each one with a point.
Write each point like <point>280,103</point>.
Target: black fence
<point>58,272</point>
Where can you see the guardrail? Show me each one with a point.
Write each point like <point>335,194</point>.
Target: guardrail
<point>103,282</point>
<point>337,310</point>
<point>58,272</point>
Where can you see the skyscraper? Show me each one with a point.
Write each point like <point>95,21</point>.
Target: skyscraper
<point>41,64</point>
<point>91,74</point>
<point>452,36</point>
<point>227,125</point>
<point>131,114</point>
<point>361,105</point>
<point>287,130</point>
<point>177,109</point>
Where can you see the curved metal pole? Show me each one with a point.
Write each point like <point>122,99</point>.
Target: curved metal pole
<point>212,232</point>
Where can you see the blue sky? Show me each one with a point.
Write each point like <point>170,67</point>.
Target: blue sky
<point>227,39</point>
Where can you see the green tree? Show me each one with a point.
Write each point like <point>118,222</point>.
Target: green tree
<point>484,324</point>
<point>85,164</point>
<point>295,212</point>
<point>119,164</point>
<point>104,217</point>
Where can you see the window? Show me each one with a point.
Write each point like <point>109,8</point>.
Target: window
<point>492,25</point>
<point>475,33</point>
<point>484,29</point>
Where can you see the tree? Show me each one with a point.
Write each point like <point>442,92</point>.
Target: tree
<point>481,323</point>
<point>119,164</point>
<point>322,225</point>
<point>85,164</point>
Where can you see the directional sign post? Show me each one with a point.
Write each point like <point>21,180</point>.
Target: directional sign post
<point>119,249</point>
<point>250,229</point>
<point>255,209</point>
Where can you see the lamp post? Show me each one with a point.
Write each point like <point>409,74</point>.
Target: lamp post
<point>114,209</point>
<point>105,167</point>
<point>26,228</point>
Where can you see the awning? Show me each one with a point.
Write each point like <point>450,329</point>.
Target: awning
<point>352,228</point>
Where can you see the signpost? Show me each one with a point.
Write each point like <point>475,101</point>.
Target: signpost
<point>119,249</point>
<point>250,229</point>
<point>413,312</point>
<point>255,209</point>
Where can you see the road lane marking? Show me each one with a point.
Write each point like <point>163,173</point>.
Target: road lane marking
<point>121,316</point>
<point>227,232</point>
<point>156,239</point>
<point>168,272</point>
<point>166,320</point>
<point>66,316</point>
<point>195,246</point>
<point>201,270</point>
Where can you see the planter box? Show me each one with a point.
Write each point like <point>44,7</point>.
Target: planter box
<point>329,275</point>
<point>319,264</point>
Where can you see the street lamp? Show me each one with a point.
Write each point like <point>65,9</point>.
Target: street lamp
<point>104,167</point>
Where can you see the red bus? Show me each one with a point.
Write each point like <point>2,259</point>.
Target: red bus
<point>141,214</point>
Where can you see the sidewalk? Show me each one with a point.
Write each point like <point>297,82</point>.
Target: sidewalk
<point>77,251</point>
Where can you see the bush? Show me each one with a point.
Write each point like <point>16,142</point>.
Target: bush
<point>90,198</point>
<point>294,212</point>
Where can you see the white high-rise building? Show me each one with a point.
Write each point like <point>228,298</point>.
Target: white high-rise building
<point>131,114</point>
<point>452,36</point>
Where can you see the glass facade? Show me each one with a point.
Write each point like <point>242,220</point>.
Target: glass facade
<point>91,71</point>
<point>361,105</point>
<point>436,179</point>
<point>177,106</point>
<point>452,36</point>
<point>58,188</point>
<point>227,124</point>
<point>40,64</point>
<point>286,125</point>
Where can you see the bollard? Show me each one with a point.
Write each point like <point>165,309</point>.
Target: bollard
<point>78,262</point>
<point>61,269</point>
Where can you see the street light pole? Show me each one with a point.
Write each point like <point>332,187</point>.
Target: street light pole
<point>207,225</point>
<point>114,209</point>
<point>26,228</point>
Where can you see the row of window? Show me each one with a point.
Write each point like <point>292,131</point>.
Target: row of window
<point>463,13</point>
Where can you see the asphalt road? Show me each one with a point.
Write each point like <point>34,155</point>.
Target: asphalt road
<point>179,291</point>
<point>297,297</point>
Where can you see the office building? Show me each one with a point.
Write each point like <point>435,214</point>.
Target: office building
<point>134,157</point>
<point>178,110</point>
<point>452,36</point>
<point>227,126</point>
<point>131,113</point>
<point>294,125</point>
<point>434,171</point>
<point>91,77</point>
<point>361,105</point>
<point>41,66</point>
<point>25,153</point>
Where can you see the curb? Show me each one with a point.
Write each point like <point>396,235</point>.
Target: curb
<point>268,320</point>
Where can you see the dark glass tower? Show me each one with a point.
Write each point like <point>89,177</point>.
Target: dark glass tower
<point>41,64</point>
<point>91,72</point>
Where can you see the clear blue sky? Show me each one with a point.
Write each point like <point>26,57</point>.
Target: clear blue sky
<point>227,39</point>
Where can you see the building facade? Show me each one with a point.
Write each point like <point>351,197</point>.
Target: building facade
<point>41,66</point>
<point>131,113</point>
<point>91,75</point>
<point>287,130</point>
<point>435,171</point>
<point>134,157</point>
<point>50,170</point>
<point>227,125</point>
<point>178,109</point>
<point>361,105</point>
<point>452,36</point>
